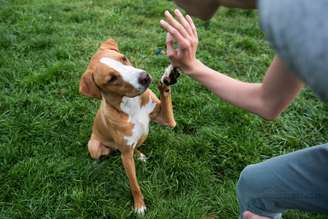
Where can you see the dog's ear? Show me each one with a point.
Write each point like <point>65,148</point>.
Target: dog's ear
<point>88,85</point>
<point>110,44</point>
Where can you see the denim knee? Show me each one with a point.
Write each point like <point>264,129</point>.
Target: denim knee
<point>251,187</point>
<point>247,187</point>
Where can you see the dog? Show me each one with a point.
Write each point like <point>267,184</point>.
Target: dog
<point>126,109</point>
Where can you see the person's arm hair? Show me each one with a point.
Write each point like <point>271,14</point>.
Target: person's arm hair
<point>246,4</point>
<point>267,99</point>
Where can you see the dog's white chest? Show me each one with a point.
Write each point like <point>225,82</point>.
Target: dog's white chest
<point>138,116</point>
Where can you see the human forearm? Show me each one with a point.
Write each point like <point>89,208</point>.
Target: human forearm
<point>267,99</point>
<point>241,94</point>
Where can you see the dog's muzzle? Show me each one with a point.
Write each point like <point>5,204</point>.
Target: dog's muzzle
<point>144,79</point>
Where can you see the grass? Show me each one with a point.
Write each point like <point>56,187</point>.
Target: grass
<point>191,172</point>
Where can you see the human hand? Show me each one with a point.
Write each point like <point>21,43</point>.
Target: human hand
<point>183,31</point>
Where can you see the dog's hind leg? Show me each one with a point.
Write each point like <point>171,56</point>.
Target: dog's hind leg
<point>97,149</point>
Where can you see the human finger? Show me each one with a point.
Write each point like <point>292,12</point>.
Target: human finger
<point>170,51</point>
<point>176,34</point>
<point>174,23</point>
<point>183,21</point>
<point>191,23</point>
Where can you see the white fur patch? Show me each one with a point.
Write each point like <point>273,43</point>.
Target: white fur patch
<point>142,157</point>
<point>140,211</point>
<point>167,73</point>
<point>138,116</point>
<point>129,74</point>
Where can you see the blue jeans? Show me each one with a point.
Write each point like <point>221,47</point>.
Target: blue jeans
<point>298,180</point>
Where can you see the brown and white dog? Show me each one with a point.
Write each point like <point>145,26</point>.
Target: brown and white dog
<point>127,106</point>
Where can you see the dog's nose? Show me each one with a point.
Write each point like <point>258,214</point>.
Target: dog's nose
<point>144,79</point>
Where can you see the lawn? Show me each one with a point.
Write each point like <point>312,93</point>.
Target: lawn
<point>191,171</point>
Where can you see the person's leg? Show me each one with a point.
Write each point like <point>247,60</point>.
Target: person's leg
<point>298,180</point>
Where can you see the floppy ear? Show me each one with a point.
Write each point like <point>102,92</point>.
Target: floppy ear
<point>88,86</point>
<point>110,44</point>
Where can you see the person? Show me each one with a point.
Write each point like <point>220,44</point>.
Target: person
<point>298,32</point>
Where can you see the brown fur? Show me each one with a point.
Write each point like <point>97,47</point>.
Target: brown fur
<point>111,125</point>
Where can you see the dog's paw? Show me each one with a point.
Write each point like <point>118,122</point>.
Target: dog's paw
<point>170,76</point>
<point>141,210</point>
<point>142,157</point>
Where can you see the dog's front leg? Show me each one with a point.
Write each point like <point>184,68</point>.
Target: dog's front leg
<point>163,112</point>
<point>165,115</point>
<point>130,169</point>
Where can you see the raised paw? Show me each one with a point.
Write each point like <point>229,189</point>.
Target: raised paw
<point>170,76</point>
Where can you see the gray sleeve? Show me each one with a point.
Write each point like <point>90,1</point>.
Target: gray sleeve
<point>298,31</point>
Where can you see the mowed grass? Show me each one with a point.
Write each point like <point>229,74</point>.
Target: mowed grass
<point>191,171</point>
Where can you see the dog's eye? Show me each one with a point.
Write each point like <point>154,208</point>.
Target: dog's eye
<point>112,79</point>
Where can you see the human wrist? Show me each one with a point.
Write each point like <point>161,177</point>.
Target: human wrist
<point>194,68</point>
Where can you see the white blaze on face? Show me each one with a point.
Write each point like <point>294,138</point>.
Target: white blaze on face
<point>129,74</point>
<point>138,116</point>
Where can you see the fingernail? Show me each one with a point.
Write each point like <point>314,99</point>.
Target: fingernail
<point>177,11</point>
<point>167,13</point>
<point>161,21</point>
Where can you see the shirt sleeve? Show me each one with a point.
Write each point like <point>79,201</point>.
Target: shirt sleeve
<point>298,31</point>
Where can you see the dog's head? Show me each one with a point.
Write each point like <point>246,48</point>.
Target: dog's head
<point>110,72</point>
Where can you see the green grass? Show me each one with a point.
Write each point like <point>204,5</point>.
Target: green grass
<point>191,172</point>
